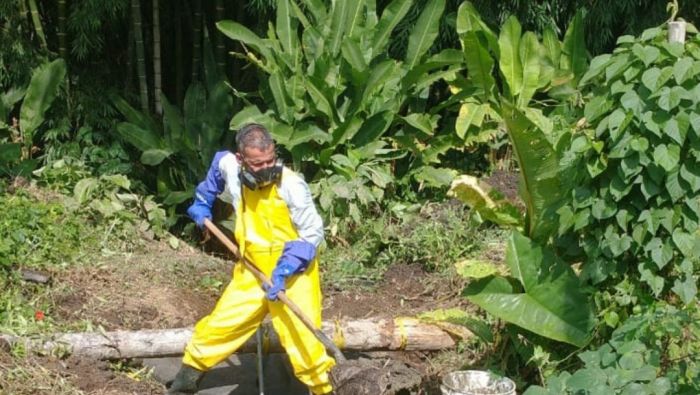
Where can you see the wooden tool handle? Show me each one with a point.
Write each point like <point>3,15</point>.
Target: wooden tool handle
<point>282,296</point>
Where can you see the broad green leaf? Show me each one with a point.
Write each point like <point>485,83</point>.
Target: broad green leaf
<point>317,9</point>
<point>280,96</point>
<point>682,69</point>
<point>154,157</point>
<point>687,289</point>
<point>391,16</point>
<point>552,45</point>
<point>650,78</point>
<point>479,63</point>
<point>238,32</point>
<point>10,152</point>
<point>690,172</point>
<point>424,32</point>
<point>435,177</point>
<point>661,253</point>
<point>668,98</point>
<point>142,139</point>
<point>175,133</point>
<point>552,304</point>
<point>469,114</point>
<point>687,243</point>
<point>303,133</point>
<point>485,200</point>
<point>538,168</point>
<point>509,63</point>
<point>373,128</point>
<point>320,100</point>
<point>598,65</point>
<point>41,92</point>
<point>476,269</point>
<point>530,58</point>
<point>667,156</point>
<point>250,114</point>
<point>286,27</point>
<point>646,53</point>
<point>353,55</point>
<point>597,107</point>
<point>83,189</point>
<point>574,53</point>
<point>422,122</point>
<point>340,12</point>
<point>469,20</point>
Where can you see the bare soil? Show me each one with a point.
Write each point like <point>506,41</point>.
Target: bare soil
<point>162,287</point>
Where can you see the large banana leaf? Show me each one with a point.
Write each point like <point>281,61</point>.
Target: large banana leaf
<point>336,29</point>
<point>392,15</point>
<point>424,33</point>
<point>468,19</point>
<point>575,58</point>
<point>509,62</point>
<point>551,302</point>
<point>479,63</point>
<point>43,88</point>
<point>539,165</point>
<point>238,32</point>
<point>286,26</point>
<point>530,59</point>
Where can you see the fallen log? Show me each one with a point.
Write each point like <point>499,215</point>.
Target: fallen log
<point>358,335</point>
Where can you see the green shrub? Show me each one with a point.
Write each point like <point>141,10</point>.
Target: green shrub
<point>636,209</point>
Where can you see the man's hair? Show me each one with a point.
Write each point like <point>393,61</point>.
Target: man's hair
<point>253,135</point>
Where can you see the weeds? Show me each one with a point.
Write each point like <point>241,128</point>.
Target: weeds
<point>434,236</point>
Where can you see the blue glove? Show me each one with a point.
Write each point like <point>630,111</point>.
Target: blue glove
<point>294,259</point>
<point>206,191</point>
<point>198,212</point>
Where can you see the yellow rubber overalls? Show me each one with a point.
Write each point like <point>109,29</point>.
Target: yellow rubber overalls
<point>263,225</point>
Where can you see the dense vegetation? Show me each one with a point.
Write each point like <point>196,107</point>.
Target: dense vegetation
<point>115,114</point>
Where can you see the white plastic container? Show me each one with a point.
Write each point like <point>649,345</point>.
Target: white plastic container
<point>476,382</point>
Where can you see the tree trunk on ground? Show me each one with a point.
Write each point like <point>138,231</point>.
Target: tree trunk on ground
<point>359,335</point>
<point>140,53</point>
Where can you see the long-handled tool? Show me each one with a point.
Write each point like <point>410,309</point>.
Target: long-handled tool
<point>282,296</point>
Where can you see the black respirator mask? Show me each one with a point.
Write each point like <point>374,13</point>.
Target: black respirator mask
<point>263,177</point>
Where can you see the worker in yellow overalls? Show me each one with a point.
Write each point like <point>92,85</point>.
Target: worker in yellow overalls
<point>277,228</point>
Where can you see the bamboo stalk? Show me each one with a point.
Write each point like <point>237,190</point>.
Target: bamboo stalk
<point>196,39</point>
<point>220,42</point>
<point>140,53</point>
<point>157,75</point>
<point>179,56</point>
<point>34,10</point>
<point>358,335</point>
<point>62,35</point>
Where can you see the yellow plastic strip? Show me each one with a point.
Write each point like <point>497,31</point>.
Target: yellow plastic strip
<point>338,337</point>
<point>400,323</point>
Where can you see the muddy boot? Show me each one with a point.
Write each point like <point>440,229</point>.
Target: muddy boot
<point>186,381</point>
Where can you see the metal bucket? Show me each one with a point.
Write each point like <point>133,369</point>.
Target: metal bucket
<point>476,382</point>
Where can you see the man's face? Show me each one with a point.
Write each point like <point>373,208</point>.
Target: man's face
<point>255,159</point>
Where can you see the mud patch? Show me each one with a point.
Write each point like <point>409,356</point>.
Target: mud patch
<point>404,290</point>
<point>371,376</point>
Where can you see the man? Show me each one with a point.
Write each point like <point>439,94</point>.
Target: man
<point>278,229</point>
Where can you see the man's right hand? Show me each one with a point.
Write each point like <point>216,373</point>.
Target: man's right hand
<point>199,212</point>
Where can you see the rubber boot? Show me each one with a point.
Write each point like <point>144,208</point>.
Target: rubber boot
<point>186,381</point>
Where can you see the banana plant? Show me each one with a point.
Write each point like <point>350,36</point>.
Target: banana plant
<point>16,139</point>
<point>505,72</point>
<point>330,86</point>
<point>182,146</point>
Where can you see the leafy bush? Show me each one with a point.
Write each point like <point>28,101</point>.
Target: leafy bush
<point>345,110</point>
<point>654,352</point>
<point>636,209</point>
